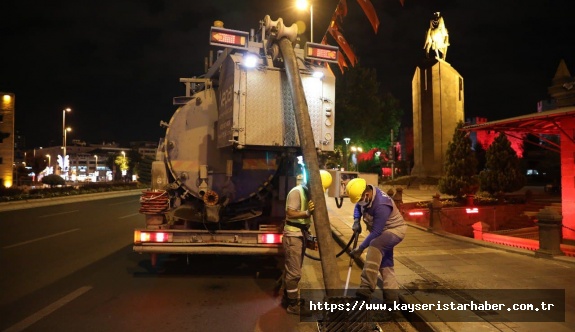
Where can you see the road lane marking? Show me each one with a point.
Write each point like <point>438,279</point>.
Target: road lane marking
<point>41,238</point>
<point>130,215</point>
<point>28,321</point>
<point>57,214</point>
<point>119,203</point>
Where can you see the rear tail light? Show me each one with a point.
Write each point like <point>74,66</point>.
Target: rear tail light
<point>270,238</point>
<point>156,237</point>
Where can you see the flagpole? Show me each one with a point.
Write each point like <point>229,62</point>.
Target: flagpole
<point>311,21</point>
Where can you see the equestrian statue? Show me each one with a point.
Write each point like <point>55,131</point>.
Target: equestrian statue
<point>437,37</point>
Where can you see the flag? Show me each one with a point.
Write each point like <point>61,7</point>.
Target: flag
<point>341,61</point>
<point>334,31</point>
<point>369,11</point>
<point>341,10</point>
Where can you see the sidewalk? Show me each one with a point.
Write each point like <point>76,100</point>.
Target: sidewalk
<point>427,261</point>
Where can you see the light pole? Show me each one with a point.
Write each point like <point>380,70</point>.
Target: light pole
<point>49,162</point>
<point>346,162</point>
<point>303,4</point>
<point>123,164</point>
<point>356,150</point>
<point>96,168</point>
<point>64,129</point>
<point>64,168</point>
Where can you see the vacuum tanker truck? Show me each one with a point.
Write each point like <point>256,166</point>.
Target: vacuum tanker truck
<point>230,152</point>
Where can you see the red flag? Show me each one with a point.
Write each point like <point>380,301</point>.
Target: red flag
<point>341,9</point>
<point>367,7</point>
<point>341,61</point>
<point>342,43</point>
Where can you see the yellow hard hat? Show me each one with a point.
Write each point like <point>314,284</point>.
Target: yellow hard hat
<point>325,178</point>
<point>355,189</point>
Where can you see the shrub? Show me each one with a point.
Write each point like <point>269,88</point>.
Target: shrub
<point>53,180</point>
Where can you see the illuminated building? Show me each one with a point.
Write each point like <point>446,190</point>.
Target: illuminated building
<point>7,102</point>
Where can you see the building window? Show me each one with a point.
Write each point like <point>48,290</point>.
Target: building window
<point>3,136</point>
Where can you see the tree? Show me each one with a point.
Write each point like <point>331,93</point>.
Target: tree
<point>460,168</point>
<point>53,180</point>
<point>480,156</point>
<point>364,113</point>
<point>21,175</point>
<point>503,172</point>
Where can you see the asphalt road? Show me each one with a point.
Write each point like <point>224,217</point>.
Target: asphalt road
<point>70,267</point>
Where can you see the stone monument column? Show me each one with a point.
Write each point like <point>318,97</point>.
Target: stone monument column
<point>437,94</point>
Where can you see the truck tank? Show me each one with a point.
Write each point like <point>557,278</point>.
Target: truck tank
<point>230,153</point>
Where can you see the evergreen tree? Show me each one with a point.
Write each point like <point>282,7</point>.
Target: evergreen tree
<point>480,156</point>
<point>460,169</point>
<point>503,172</point>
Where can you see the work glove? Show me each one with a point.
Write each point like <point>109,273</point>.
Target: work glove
<point>310,207</point>
<point>355,253</point>
<point>356,228</point>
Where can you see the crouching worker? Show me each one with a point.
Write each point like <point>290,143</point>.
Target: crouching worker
<point>386,228</point>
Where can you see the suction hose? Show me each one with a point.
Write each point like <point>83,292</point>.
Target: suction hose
<point>344,250</point>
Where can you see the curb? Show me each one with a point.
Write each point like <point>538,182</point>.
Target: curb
<point>518,251</point>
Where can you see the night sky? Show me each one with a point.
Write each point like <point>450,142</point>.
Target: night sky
<point>117,64</point>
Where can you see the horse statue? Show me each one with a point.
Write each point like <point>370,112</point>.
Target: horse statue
<point>437,37</point>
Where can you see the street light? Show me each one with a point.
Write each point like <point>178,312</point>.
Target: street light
<point>64,168</point>
<point>355,150</point>
<point>346,162</point>
<point>64,129</point>
<point>96,168</point>
<point>303,4</point>
<point>123,164</point>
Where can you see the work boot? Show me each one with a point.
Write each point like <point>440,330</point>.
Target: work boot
<point>297,307</point>
<point>363,294</point>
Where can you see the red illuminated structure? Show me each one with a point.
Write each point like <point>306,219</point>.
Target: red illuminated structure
<point>555,122</point>
<point>561,122</point>
<point>486,137</point>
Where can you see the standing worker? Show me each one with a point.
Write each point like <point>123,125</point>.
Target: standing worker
<point>299,207</point>
<point>298,212</point>
<point>387,229</point>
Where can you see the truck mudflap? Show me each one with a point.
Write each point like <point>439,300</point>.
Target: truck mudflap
<point>238,242</point>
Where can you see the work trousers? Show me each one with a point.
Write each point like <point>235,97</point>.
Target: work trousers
<point>293,250</point>
<point>379,260</point>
